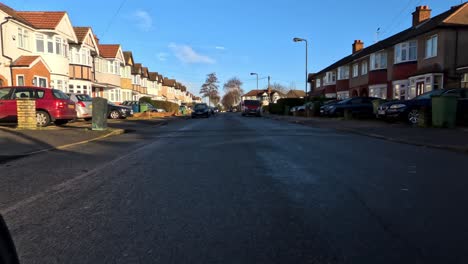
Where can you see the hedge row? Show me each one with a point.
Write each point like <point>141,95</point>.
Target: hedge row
<point>280,107</point>
<point>168,106</point>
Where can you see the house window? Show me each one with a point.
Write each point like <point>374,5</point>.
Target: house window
<point>406,51</point>
<point>19,80</point>
<point>318,83</point>
<point>356,70</point>
<point>58,46</point>
<point>364,68</point>
<point>71,88</point>
<point>40,81</point>
<point>379,91</point>
<point>84,57</point>
<point>116,67</point>
<point>330,77</point>
<point>378,61</point>
<point>23,38</point>
<point>50,44</point>
<point>343,73</point>
<point>75,56</point>
<point>431,46</point>
<point>39,43</point>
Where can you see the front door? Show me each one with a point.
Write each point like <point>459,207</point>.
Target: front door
<point>7,105</point>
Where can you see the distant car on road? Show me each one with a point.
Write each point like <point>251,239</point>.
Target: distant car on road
<point>409,110</point>
<point>251,107</point>
<point>84,105</point>
<point>201,110</point>
<point>118,111</point>
<point>51,105</point>
<point>358,106</point>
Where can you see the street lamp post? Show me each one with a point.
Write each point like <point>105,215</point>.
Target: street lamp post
<point>306,61</point>
<point>254,73</point>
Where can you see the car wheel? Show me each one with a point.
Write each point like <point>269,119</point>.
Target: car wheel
<point>413,116</point>
<point>42,118</point>
<point>60,122</point>
<point>88,119</point>
<point>114,114</point>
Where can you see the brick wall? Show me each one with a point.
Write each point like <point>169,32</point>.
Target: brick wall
<point>39,69</point>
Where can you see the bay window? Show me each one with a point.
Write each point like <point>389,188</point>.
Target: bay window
<point>431,46</point>
<point>378,61</point>
<point>58,46</point>
<point>39,43</point>
<point>23,38</point>
<point>343,73</point>
<point>406,51</point>
<point>330,77</point>
<point>50,44</point>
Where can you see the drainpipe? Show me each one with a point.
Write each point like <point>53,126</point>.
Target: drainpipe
<point>455,61</point>
<point>7,19</point>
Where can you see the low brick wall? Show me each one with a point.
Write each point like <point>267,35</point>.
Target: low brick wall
<point>26,109</point>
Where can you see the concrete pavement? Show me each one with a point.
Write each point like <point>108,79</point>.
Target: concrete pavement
<point>238,190</point>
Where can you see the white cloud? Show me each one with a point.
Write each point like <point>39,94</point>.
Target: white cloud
<point>143,20</point>
<point>186,54</point>
<point>220,48</point>
<point>162,56</point>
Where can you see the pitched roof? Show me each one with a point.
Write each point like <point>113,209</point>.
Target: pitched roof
<point>136,68</point>
<point>296,94</point>
<point>153,76</point>
<point>24,61</point>
<point>81,33</point>
<point>127,56</point>
<point>169,82</point>
<point>255,92</point>
<point>12,13</point>
<point>405,35</point>
<point>145,73</point>
<point>109,50</point>
<point>42,19</point>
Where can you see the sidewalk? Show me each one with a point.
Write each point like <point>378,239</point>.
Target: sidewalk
<point>450,139</point>
<point>19,143</point>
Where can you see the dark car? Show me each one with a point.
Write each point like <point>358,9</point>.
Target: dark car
<point>51,105</point>
<point>358,106</point>
<point>118,111</point>
<point>251,107</point>
<point>201,110</point>
<point>409,110</point>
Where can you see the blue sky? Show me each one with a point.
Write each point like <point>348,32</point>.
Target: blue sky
<point>186,40</point>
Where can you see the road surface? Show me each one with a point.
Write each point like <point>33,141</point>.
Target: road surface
<point>238,190</point>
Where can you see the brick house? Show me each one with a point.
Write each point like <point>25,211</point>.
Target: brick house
<point>81,56</point>
<point>107,67</point>
<point>266,96</point>
<point>429,55</point>
<point>28,35</point>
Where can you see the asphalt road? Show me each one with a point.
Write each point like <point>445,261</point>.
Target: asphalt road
<point>238,190</point>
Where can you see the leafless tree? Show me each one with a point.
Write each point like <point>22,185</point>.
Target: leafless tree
<point>279,87</point>
<point>233,88</point>
<point>210,88</point>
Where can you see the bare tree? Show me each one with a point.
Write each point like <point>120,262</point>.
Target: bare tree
<point>279,87</point>
<point>230,99</point>
<point>210,87</point>
<point>233,87</point>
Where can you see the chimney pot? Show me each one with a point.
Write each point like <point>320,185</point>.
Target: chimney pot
<point>358,45</point>
<point>422,13</point>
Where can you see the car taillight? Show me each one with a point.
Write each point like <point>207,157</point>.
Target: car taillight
<point>80,103</point>
<point>60,104</point>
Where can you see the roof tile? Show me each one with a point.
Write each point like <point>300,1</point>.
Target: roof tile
<point>41,19</point>
<point>24,61</point>
<point>109,51</point>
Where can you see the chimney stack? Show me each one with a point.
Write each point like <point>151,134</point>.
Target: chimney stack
<point>422,13</point>
<point>358,45</point>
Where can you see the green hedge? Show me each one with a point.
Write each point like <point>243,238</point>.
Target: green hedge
<point>275,109</point>
<point>280,106</point>
<point>168,106</point>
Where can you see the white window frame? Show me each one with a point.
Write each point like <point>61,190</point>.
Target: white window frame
<point>355,70</point>
<point>378,61</point>
<point>37,80</point>
<point>40,38</point>
<point>364,67</point>
<point>343,72</point>
<point>318,83</point>
<point>431,46</point>
<point>381,88</point>
<point>50,41</point>
<point>23,38</point>
<point>17,80</point>
<point>404,50</point>
<point>330,78</point>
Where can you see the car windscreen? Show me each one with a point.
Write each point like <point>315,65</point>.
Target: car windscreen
<point>59,94</point>
<point>251,103</point>
<point>200,107</point>
<point>84,97</point>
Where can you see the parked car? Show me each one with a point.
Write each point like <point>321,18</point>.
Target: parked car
<point>201,110</point>
<point>358,106</point>
<point>216,110</point>
<point>251,107</point>
<point>84,105</point>
<point>118,111</point>
<point>51,105</point>
<point>409,110</point>
<point>149,107</point>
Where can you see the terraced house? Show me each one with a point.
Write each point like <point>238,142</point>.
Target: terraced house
<point>428,55</point>
<point>81,57</point>
<point>108,67</point>
<point>35,48</point>
<point>126,77</point>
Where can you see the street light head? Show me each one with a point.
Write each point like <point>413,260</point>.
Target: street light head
<point>253,73</point>
<point>297,39</point>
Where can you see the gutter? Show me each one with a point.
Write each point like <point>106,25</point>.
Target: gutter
<point>7,19</point>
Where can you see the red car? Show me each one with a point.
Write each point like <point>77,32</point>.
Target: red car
<point>251,107</point>
<point>51,105</point>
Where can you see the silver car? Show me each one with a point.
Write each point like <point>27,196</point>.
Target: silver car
<point>84,105</point>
